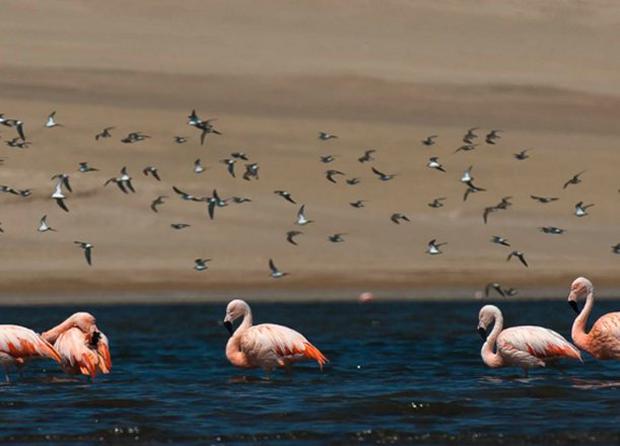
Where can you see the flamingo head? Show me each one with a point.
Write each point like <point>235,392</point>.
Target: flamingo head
<point>579,288</point>
<point>234,310</point>
<point>486,317</point>
<point>86,322</point>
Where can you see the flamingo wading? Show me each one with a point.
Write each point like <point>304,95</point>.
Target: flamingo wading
<point>83,347</point>
<point>265,346</point>
<point>18,344</point>
<point>603,340</point>
<point>526,346</point>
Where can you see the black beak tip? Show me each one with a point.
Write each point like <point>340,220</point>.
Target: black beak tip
<point>229,326</point>
<point>574,306</point>
<point>483,333</point>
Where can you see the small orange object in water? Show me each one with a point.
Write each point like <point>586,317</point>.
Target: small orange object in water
<point>366,296</point>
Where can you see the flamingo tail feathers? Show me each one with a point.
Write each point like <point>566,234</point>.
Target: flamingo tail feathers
<point>311,352</point>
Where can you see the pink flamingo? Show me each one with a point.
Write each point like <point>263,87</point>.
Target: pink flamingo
<point>18,344</point>
<point>265,346</point>
<point>603,341</point>
<point>83,348</point>
<point>526,346</point>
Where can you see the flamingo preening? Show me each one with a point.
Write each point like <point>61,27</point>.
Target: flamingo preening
<point>19,344</point>
<point>526,346</point>
<point>82,346</point>
<point>603,340</point>
<point>265,346</point>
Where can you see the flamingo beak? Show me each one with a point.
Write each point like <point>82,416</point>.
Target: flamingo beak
<point>574,306</point>
<point>229,326</point>
<point>483,333</point>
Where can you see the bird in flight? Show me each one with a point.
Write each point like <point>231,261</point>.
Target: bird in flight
<point>552,230</point>
<point>437,202</point>
<point>382,176</point>
<point>152,171</point>
<point>286,195</point>
<point>397,217</point>
<point>330,174</point>
<point>500,240</point>
<point>522,155</point>
<point>85,168</point>
<point>105,133</point>
<point>324,136</point>
<point>51,121</point>
<point>543,200</point>
<point>157,202</point>
<point>87,248</point>
<point>367,156</point>
<point>201,264</point>
<point>429,140</point>
<point>275,272</point>
<point>434,163</point>
<point>290,236</point>
<point>432,248</point>
<point>581,210</point>
<point>576,179</point>
<point>519,255</point>
<point>301,217</point>
<point>43,226</point>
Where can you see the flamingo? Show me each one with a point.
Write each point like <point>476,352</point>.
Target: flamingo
<point>526,346</point>
<point>17,344</point>
<point>603,341</point>
<point>83,348</point>
<point>265,346</point>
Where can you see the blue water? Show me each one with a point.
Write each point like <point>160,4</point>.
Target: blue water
<point>400,373</point>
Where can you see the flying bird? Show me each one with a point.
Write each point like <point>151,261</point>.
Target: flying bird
<point>180,139</point>
<point>324,136</point>
<point>470,136</point>
<point>186,196</point>
<point>358,204</point>
<point>581,210</point>
<point>51,121</point>
<point>397,217</point>
<point>367,156</point>
<point>433,247</point>
<point>382,176</point>
<point>152,171</point>
<point>552,230</point>
<point>492,136</point>
<point>500,240</point>
<point>576,179</point>
<point>251,171</point>
<point>326,159</point>
<point>352,181</point>
<point>239,156</point>
<point>493,286</point>
<point>105,133</point>
<point>43,226</point>
<point>336,238</point>
<point>87,248</point>
<point>301,217</point>
<point>518,254</point>
<point>290,236</point>
<point>286,195</point>
<point>157,202</point>
<point>330,174</point>
<point>522,155</point>
<point>543,200</point>
<point>429,140</point>
<point>179,226</point>
<point>201,264</point>
<point>198,167</point>
<point>437,202</point>
<point>466,148</point>
<point>275,272</point>
<point>85,168</point>
<point>230,165</point>
<point>434,163</point>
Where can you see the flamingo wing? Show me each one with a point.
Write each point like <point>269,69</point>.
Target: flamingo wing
<point>279,344</point>
<point>605,335</point>
<point>103,350</point>
<point>79,357</point>
<point>535,344</point>
<point>22,343</point>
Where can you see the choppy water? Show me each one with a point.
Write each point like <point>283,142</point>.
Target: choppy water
<point>400,373</point>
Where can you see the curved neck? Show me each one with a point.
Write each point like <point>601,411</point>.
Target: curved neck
<point>233,346</point>
<point>52,334</point>
<point>489,357</point>
<point>578,331</point>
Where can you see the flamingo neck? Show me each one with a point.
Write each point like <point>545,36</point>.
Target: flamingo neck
<point>489,357</point>
<point>52,334</point>
<point>578,331</point>
<point>233,346</point>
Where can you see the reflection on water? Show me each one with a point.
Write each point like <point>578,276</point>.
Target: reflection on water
<point>400,373</point>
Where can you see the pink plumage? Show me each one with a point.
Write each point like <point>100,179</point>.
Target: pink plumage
<point>18,344</point>
<point>83,348</point>
<point>265,346</point>
<point>603,340</point>
<point>525,346</point>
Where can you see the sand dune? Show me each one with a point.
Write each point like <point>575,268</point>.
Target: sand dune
<point>274,75</point>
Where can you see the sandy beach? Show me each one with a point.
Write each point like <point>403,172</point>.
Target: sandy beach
<point>274,74</point>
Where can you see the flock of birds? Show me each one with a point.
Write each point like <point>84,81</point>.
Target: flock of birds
<point>80,347</point>
<point>124,182</point>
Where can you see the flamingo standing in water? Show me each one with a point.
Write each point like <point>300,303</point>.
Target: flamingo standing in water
<point>603,341</point>
<point>265,346</point>
<point>18,344</point>
<point>83,348</point>
<point>526,346</point>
